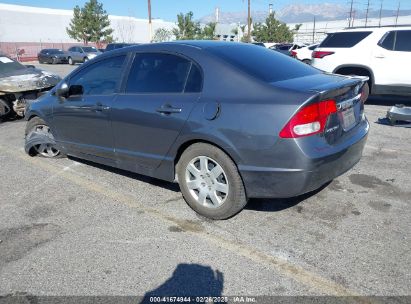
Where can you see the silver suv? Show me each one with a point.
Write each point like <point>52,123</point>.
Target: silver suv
<point>82,53</point>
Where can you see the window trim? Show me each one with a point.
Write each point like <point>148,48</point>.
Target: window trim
<point>134,54</point>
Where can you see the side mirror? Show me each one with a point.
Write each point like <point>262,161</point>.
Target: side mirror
<point>75,90</point>
<point>63,90</point>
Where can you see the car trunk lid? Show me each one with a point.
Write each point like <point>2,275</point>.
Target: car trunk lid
<point>349,94</point>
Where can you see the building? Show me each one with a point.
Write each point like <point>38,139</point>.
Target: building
<point>26,30</point>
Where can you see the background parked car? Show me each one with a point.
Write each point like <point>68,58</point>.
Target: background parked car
<point>80,54</point>
<point>383,54</point>
<point>304,54</point>
<point>286,48</point>
<point>19,83</point>
<point>52,56</point>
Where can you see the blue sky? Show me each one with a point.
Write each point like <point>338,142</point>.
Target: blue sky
<point>168,9</point>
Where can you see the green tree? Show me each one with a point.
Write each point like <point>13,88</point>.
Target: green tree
<point>90,23</point>
<point>208,31</point>
<point>272,31</point>
<point>186,29</point>
<point>162,34</point>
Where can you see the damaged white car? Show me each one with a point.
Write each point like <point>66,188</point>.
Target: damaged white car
<point>19,84</point>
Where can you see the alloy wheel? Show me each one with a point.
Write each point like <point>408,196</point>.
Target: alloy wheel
<point>207,182</point>
<point>46,150</point>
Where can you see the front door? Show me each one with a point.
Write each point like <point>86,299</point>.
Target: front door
<point>160,93</point>
<point>82,120</point>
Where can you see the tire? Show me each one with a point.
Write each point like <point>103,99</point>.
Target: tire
<point>6,109</point>
<point>224,204</point>
<point>53,61</point>
<point>70,61</point>
<point>85,59</point>
<point>36,123</point>
<point>307,61</point>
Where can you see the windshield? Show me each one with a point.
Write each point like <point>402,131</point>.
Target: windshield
<point>89,49</point>
<point>265,64</point>
<point>56,52</point>
<point>9,65</point>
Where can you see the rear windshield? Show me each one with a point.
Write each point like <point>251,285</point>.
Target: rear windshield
<point>343,39</point>
<point>262,63</point>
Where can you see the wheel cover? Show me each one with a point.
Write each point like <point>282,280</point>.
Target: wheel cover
<point>47,150</point>
<point>207,182</point>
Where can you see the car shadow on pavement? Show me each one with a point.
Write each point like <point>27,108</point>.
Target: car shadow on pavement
<point>189,280</point>
<point>279,204</point>
<point>143,178</point>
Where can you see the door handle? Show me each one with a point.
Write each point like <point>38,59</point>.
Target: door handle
<point>100,107</point>
<point>379,56</point>
<point>168,109</point>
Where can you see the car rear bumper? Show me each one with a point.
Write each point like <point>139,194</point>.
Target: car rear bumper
<point>285,182</point>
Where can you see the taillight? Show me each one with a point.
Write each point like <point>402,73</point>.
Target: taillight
<point>321,54</point>
<point>309,120</point>
<point>293,53</point>
<point>365,92</point>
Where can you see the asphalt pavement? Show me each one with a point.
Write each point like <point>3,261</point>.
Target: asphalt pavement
<point>69,227</point>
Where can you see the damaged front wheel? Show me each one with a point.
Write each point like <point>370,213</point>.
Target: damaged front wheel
<point>39,139</point>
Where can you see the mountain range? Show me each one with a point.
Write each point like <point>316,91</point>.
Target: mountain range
<point>296,13</point>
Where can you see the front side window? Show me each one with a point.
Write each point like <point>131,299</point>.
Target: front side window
<point>343,39</point>
<point>101,78</point>
<point>403,41</point>
<point>158,73</point>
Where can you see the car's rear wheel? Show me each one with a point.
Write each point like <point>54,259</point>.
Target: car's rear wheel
<point>37,124</point>
<point>307,61</point>
<point>70,61</point>
<point>210,182</point>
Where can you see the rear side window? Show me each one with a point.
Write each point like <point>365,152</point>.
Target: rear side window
<point>194,80</point>
<point>343,39</point>
<point>158,73</point>
<point>264,64</point>
<point>403,41</point>
<point>387,41</point>
<point>311,48</point>
<point>101,78</point>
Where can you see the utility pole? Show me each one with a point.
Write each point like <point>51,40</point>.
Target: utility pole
<point>150,25</point>
<point>379,22</point>
<point>249,22</point>
<point>350,19</point>
<point>314,31</point>
<point>366,13</point>
<point>398,12</point>
<point>270,9</point>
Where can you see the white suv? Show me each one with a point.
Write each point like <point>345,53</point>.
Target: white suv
<point>383,54</point>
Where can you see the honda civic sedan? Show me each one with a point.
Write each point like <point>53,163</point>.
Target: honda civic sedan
<point>227,121</point>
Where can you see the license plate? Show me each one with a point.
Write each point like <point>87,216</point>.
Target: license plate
<point>348,118</point>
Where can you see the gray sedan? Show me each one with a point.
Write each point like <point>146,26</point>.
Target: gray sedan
<point>81,54</point>
<point>227,129</point>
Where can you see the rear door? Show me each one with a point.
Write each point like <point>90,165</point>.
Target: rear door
<point>392,59</point>
<point>82,119</point>
<point>158,97</point>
